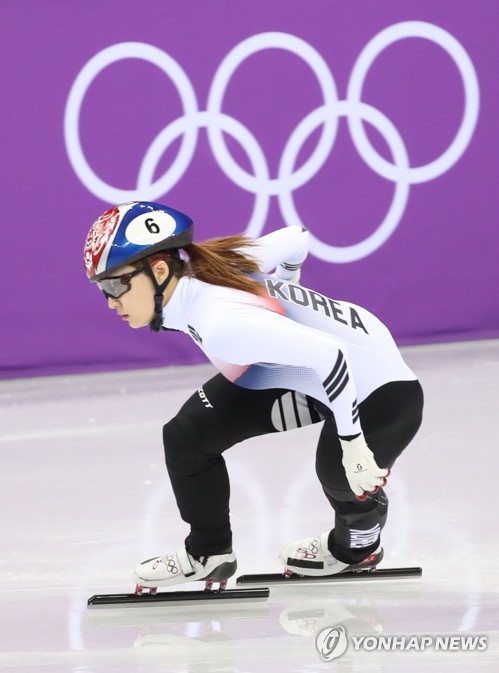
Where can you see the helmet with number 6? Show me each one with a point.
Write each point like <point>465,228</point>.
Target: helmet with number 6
<point>130,232</point>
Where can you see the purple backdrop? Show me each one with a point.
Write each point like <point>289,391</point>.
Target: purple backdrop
<point>80,130</point>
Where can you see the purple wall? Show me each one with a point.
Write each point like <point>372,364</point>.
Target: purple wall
<point>403,213</point>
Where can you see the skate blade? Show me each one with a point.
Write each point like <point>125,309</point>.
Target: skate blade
<point>177,598</point>
<point>347,576</point>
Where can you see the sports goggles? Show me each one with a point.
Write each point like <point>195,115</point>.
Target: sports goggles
<point>115,287</point>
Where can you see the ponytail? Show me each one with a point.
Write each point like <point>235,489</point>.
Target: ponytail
<point>223,261</point>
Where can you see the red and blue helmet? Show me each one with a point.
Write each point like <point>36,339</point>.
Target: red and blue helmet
<point>130,232</point>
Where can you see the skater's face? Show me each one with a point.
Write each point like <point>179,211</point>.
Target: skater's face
<point>136,304</point>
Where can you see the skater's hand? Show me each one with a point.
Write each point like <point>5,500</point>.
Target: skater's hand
<point>362,471</point>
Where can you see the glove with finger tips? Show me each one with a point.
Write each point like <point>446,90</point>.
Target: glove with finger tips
<point>362,471</point>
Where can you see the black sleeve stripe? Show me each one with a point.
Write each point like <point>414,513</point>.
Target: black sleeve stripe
<point>338,379</point>
<point>340,389</point>
<point>337,365</point>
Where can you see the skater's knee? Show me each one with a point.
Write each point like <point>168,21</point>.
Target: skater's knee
<point>182,443</point>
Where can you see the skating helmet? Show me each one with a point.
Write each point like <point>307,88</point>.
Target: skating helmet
<point>130,232</point>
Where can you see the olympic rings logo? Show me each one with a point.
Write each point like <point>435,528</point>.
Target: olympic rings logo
<point>289,178</point>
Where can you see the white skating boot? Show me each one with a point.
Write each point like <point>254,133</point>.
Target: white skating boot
<point>312,557</point>
<point>179,567</point>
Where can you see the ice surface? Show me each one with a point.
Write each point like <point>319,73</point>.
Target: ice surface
<point>85,496</point>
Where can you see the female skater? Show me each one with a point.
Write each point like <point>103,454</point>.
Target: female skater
<point>287,357</point>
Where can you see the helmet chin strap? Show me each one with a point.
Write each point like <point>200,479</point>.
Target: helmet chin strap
<point>157,322</point>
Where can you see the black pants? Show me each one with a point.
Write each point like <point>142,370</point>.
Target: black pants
<point>221,414</point>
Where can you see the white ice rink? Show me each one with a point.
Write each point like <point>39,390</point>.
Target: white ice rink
<point>85,496</point>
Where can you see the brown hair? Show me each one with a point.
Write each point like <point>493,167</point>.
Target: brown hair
<point>218,261</point>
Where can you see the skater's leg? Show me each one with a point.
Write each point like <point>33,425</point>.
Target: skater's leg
<point>217,416</point>
<point>390,418</point>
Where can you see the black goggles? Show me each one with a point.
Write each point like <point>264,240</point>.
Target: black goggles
<point>115,287</point>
